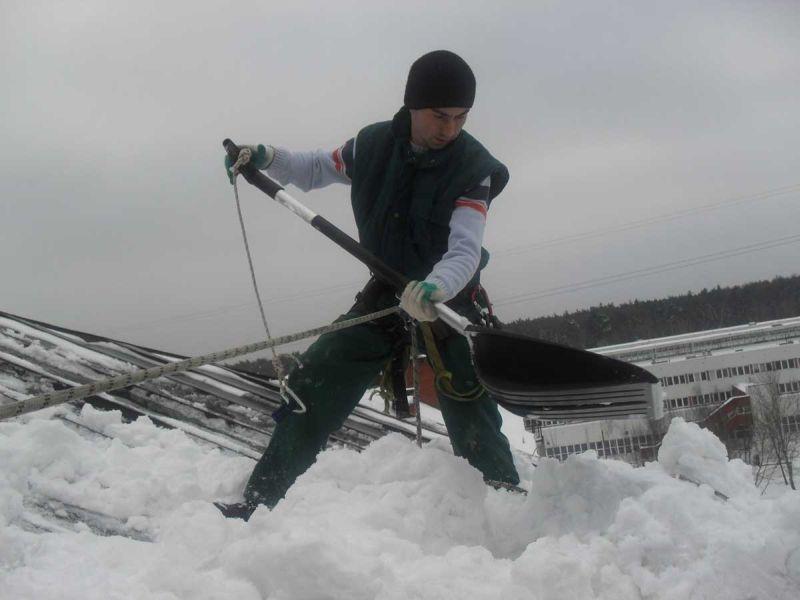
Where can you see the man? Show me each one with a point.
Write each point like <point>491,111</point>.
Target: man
<point>420,191</point>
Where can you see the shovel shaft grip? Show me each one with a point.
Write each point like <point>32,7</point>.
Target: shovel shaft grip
<point>253,176</point>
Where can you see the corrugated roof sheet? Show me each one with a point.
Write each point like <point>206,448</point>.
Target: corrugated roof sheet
<point>221,404</point>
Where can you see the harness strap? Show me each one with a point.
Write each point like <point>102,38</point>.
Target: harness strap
<point>392,385</point>
<point>443,379</point>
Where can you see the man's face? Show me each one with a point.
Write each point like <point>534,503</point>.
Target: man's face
<point>434,128</point>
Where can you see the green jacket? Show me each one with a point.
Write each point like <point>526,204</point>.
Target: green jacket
<point>403,202</point>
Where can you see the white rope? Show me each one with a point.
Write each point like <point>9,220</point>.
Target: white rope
<point>285,391</point>
<point>415,370</point>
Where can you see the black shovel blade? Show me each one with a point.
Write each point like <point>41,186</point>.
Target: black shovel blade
<point>616,402</point>
<point>529,376</point>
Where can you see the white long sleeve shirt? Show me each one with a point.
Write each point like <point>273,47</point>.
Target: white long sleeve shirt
<point>319,168</point>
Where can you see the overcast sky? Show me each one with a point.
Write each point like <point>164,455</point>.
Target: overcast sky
<point>638,134</point>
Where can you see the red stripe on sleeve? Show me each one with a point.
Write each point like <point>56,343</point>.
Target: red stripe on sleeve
<point>337,160</point>
<point>473,204</point>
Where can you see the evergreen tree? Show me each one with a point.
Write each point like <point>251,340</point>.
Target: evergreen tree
<point>609,324</point>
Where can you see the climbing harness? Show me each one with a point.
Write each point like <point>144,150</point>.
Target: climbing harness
<point>392,384</point>
<point>479,298</point>
<point>442,378</point>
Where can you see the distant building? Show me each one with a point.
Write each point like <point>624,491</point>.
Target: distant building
<point>698,372</point>
<point>632,440</point>
<point>732,422</point>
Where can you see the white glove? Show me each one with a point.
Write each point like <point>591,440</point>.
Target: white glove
<point>418,298</point>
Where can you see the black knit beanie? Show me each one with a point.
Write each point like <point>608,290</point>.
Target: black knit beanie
<point>440,79</point>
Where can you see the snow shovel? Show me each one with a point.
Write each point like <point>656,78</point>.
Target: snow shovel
<point>525,375</point>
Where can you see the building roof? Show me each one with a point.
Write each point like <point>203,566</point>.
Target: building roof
<point>765,333</point>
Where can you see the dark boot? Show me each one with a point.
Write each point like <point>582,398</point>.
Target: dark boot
<point>237,510</point>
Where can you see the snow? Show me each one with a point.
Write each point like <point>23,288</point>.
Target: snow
<point>392,522</point>
<point>514,429</point>
<point>11,387</point>
<point>56,351</point>
<point>521,440</point>
<point>691,452</point>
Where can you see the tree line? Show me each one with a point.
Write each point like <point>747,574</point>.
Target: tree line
<point>610,324</point>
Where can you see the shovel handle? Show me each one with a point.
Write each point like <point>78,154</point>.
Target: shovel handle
<point>275,191</point>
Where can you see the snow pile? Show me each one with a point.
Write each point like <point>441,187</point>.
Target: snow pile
<point>393,522</point>
<point>693,453</point>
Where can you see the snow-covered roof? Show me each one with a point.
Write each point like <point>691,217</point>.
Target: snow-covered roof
<point>765,333</point>
<point>211,400</point>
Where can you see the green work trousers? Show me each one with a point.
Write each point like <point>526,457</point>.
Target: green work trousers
<point>336,371</point>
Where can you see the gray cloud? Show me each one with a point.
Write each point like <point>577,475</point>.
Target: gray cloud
<point>116,217</point>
